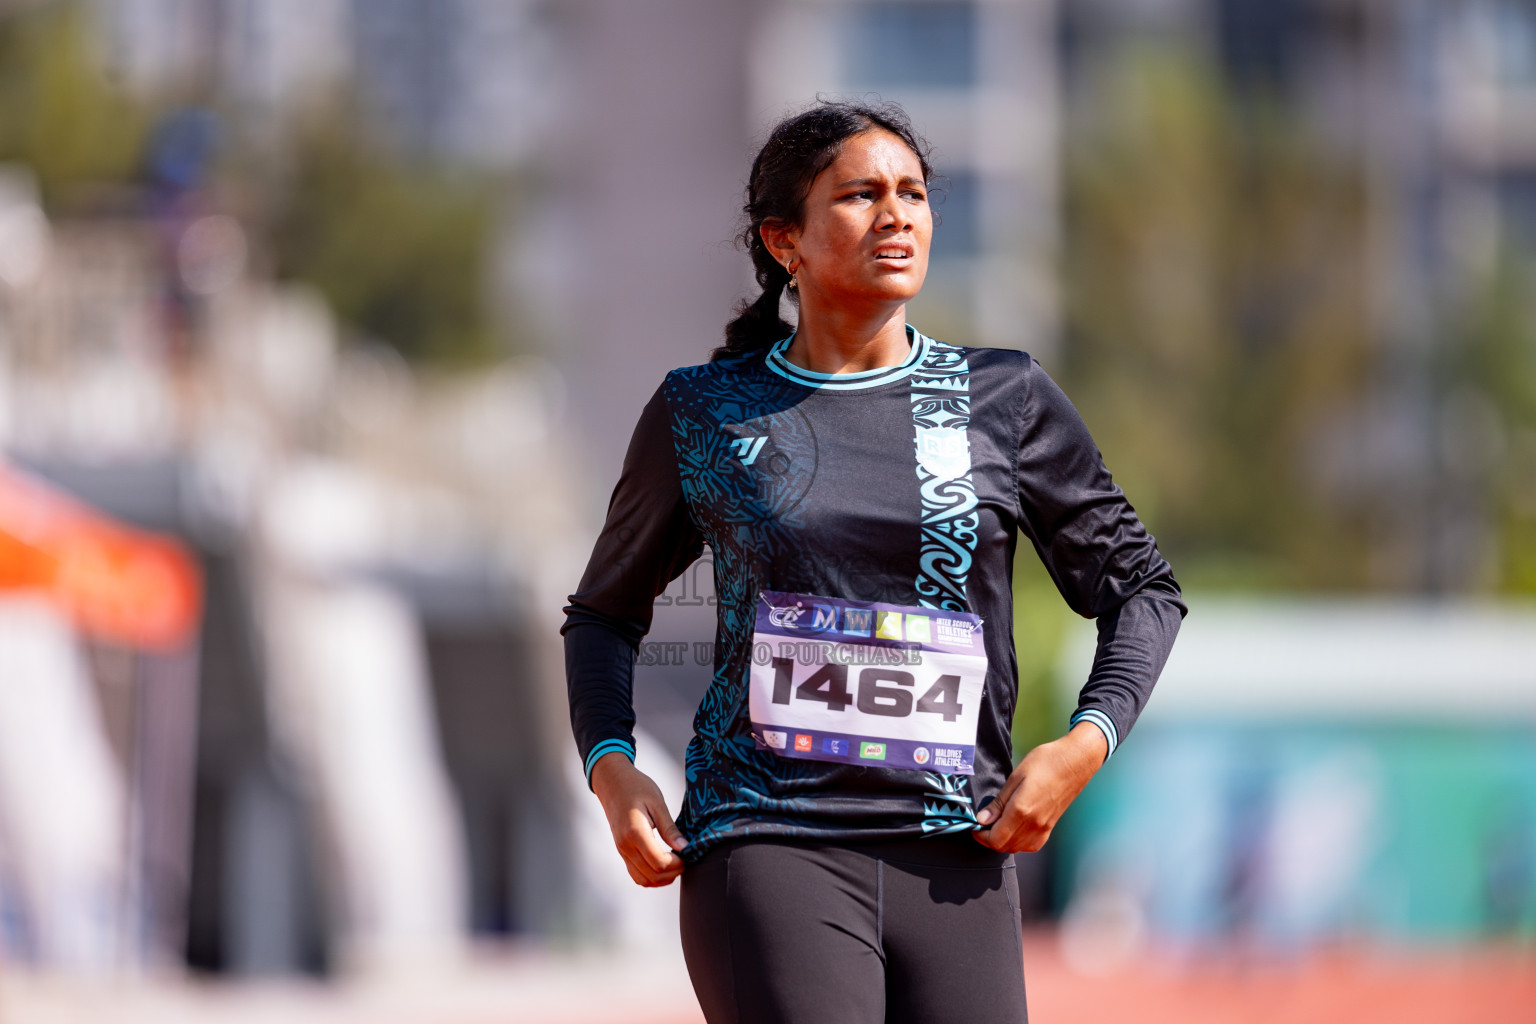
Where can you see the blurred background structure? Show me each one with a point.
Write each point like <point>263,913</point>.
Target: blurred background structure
<point>323,327</point>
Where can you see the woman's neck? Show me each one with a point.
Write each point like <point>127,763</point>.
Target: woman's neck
<point>839,342</point>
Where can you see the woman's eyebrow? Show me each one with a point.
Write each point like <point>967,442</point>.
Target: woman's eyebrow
<point>906,179</point>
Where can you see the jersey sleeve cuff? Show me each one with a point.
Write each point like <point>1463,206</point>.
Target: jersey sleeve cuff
<point>1104,722</point>
<point>625,747</point>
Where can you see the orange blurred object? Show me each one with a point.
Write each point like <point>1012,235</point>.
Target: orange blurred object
<point>117,583</point>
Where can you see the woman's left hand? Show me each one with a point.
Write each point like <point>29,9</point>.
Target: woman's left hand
<point>1040,789</point>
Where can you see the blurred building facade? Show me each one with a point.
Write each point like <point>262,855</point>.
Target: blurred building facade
<point>380,770</point>
<point>469,81</point>
<point>1429,104</point>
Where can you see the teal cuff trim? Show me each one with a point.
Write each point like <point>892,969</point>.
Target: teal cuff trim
<point>1105,724</point>
<point>624,747</point>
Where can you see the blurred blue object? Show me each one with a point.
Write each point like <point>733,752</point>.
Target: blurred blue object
<point>182,148</point>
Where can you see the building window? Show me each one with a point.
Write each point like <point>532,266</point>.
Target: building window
<point>1507,29</point>
<point>1260,43</point>
<point>1517,211</point>
<point>1517,42</point>
<point>955,210</point>
<point>922,43</point>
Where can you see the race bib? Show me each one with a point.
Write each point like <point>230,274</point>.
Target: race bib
<point>858,682</point>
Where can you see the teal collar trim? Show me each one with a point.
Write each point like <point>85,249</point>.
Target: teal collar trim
<point>854,381</point>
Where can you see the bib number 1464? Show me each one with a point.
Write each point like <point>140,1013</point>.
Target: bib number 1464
<point>881,691</point>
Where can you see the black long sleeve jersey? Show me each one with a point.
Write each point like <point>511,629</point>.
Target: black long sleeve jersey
<point>899,486</point>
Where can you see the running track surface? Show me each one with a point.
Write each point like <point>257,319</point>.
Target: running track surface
<point>1359,986</point>
<point>1485,986</point>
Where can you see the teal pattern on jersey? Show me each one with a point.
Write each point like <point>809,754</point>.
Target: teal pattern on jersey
<point>941,412</point>
<point>949,808</point>
<point>747,517</point>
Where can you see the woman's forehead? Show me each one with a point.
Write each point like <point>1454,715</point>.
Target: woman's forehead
<point>870,154</point>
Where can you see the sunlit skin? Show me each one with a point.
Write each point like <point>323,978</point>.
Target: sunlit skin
<point>858,255</point>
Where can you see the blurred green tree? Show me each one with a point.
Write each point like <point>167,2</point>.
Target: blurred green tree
<point>1216,321</point>
<point>1040,622</point>
<point>59,112</point>
<point>1215,329</point>
<point>1492,368</point>
<point>399,248</point>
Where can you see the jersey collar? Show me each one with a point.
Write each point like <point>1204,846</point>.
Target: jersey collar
<point>854,381</point>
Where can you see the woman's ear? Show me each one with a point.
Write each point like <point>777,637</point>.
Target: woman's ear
<point>780,238</point>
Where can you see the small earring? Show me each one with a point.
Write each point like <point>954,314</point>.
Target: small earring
<point>793,284</point>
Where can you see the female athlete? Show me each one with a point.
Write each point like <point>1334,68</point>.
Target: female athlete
<point>852,802</point>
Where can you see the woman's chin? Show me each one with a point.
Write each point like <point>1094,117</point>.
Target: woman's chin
<point>894,287</point>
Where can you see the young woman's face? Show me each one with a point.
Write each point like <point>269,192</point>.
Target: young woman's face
<point>864,234</point>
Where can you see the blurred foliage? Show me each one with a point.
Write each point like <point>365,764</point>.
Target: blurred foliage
<point>1220,345</point>
<point>398,248</point>
<point>1492,368</point>
<point>59,112</point>
<point>1214,271</point>
<point>1216,330</point>
<point>1040,622</point>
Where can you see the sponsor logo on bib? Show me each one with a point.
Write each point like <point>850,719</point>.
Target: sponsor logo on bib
<point>831,746</point>
<point>888,625</point>
<point>857,621</point>
<point>948,757</point>
<point>802,742</point>
<point>785,616</point>
<point>872,751</point>
<point>921,755</point>
<point>819,618</point>
<point>774,739</point>
<point>823,618</point>
<point>955,632</point>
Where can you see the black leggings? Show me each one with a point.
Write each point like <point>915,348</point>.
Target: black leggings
<point>923,930</point>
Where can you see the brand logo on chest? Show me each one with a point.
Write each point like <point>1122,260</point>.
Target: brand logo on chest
<point>747,448</point>
<point>762,466</point>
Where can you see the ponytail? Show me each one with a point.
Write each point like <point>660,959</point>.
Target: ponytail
<point>758,324</point>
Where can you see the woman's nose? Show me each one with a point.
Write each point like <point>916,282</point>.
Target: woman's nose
<point>892,215</point>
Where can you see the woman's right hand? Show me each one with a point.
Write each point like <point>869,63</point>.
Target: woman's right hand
<point>636,812</point>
